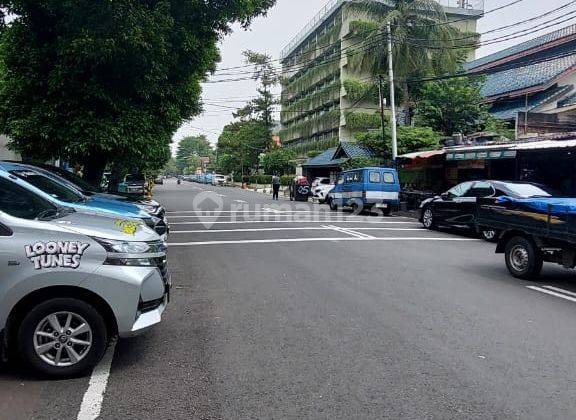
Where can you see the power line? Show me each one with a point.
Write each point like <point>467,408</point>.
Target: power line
<point>417,42</point>
<point>435,24</point>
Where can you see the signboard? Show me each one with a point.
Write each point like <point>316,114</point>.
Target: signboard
<point>484,155</point>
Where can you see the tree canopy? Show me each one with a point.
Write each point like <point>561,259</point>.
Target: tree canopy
<point>410,139</point>
<point>279,161</point>
<point>453,106</point>
<point>264,72</point>
<point>240,145</point>
<point>103,81</point>
<point>423,43</point>
<point>190,150</point>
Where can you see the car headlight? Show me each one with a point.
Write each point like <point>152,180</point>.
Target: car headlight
<point>148,208</point>
<point>132,253</point>
<point>124,247</point>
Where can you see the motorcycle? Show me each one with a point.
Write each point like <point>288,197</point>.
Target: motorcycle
<point>179,181</point>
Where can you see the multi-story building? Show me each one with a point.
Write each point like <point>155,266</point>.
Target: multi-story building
<point>324,101</point>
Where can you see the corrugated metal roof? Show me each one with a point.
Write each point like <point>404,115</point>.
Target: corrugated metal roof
<point>322,159</point>
<point>423,155</point>
<point>509,110</point>
<point>338,155</point>
<point>524,46</point>
<point>355,150</point>
<point>546,144</point>
<point>526,76</point>
<point>567,101</point>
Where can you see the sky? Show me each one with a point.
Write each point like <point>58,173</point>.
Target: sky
<point>271,33</point>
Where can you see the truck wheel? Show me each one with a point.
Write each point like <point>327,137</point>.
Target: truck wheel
<point>428,219</point>
<point>523,258</point>
<point>62,337</point>
<point>489,235</point>
<point>387,212</point>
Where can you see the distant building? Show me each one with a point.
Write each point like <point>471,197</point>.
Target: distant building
<point>534,77</point>
<point>319,89</point>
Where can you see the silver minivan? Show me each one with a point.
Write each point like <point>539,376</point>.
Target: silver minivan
<point>71,281</point>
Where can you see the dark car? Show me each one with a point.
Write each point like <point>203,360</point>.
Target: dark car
<point>457,206</point>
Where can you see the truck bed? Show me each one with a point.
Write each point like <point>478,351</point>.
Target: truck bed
<point>547,218</point>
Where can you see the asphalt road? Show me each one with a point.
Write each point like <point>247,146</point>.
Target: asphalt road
<point>287,311</point>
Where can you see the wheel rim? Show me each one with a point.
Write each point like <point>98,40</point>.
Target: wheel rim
<point>62,339</point>
<point>427,218</point>
<point>489,234</point>
<point>519,258</point>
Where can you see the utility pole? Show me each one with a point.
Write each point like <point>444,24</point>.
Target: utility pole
<point>381,95</point>
<point>392,99</point>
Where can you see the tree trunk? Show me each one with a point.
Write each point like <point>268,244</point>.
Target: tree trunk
<point>94,166</point>
<point>407,104</point>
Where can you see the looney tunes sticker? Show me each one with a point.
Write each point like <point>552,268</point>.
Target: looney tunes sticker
<point>65,254</point>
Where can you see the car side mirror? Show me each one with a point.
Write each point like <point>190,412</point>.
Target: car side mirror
<point>446,196</point>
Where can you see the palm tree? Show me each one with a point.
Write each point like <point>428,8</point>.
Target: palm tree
<point>423,42</point>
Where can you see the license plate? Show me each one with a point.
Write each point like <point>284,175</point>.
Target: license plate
<point>382,205</point>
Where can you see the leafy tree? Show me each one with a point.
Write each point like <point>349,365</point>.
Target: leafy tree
<point>279,161</point>
<point>191,149</point>
<point>265,73</point>
<point>453,106</point>
<point>423,42</point>
<point>171,168</point>
<point>410,139</point>
<point>240,145</point>
<point>101,82</point>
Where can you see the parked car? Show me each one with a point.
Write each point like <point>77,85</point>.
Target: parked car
<point>134,184</point>
<point>457,206</point>
<point>159,180</point>
<point>535,226</point>
<point>218,179</point>
<point>64,176</point>
<point>71,281</point>
<point>366,188</point>
<point>321,187</point>
<point>64,195</point>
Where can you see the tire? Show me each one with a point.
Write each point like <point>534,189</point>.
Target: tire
<point>357,206</point>
<point>428,218</point>
<point>332,205</point>
<point>387,212</point>
<point>489,235</point>
<point>523,259</point>
<point>37,326</point>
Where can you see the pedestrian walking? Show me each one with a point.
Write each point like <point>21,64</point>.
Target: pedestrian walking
<point>275,186</point>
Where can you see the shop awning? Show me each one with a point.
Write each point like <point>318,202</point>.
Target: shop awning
<point>422,155</point>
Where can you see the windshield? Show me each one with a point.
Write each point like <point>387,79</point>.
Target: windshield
<point>49,186</point>
<point>75,179</point>
<point>19,202</point>
<point>528,190</point>
<point>134,178</point>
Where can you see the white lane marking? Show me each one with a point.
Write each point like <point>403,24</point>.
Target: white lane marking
<point>350,232</point>
<point>549,292</point>
<point>246,230</point>
<point>290,221</point>
<point>269,210</point>
<point>271,241</point>
<point>241,201</point>
<point>557,289</point>
<point>238,211</point>
<point>94,395</point>
<point>393,229</point>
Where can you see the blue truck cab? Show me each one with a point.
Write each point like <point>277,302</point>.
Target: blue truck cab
<point>367,188</point>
